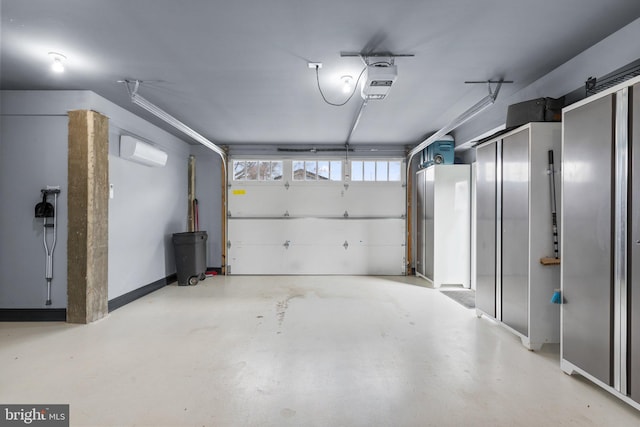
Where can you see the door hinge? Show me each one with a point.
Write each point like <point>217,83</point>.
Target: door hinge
<point>287,244</point>
<point>345,245</point>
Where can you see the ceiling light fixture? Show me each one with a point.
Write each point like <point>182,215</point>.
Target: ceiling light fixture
<point>57,66</point>
<point>347,84</point>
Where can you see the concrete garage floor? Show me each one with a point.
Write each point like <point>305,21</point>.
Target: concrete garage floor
<point>297,351</point>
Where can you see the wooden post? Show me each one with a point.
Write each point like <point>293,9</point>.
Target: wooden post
<point>88,204</point>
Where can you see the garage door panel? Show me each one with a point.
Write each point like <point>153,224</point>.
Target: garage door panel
<point>363,260</point>
<point>316,246</point>
<point>257,231</point>
<point>252,199</point>
<point>380,200</point>
<point>274,200</point>
<point>315,236</point>
<point>319,231</point>
<point>321,199</point>
<point>314,259</point>
<point>375,232</point>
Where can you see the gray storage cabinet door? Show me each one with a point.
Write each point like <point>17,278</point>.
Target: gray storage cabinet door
<point>634,297</point>
<point>420,220</point>
<point>515,231</point>
<point>587,233</point>
<point>486,228</point>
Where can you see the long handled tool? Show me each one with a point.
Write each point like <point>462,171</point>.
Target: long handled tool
<point>554,219</point>
<point>45,210</point>
<point>556,298</point>
<point>196,215</point>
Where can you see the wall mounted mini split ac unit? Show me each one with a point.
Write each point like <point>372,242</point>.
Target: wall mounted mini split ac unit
<point>141,152</point>
<point>380,78</point>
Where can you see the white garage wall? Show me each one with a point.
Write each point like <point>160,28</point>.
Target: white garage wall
<point>33,154</point>
<point>150,204</point>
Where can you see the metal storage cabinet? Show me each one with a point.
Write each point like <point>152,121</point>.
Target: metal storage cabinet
<point>634,309</point>
<point>586,237</point>
<point>514,231</point>
<point>420,224</point>
<point>601,240</point>
<point>486,221</point>
<point>444,220</point>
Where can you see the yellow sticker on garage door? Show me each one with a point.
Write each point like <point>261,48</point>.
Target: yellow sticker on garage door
<point>239,192</point>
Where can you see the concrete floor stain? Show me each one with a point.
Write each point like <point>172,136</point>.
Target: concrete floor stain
<point>282,306</point>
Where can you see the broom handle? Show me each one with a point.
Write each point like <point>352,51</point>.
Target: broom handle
<point>196,219</point>
<point>554,219</point>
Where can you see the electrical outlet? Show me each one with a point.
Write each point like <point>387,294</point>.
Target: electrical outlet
<point>313,65</point>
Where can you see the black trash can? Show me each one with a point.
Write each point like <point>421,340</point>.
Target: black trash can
<point>191,256</point>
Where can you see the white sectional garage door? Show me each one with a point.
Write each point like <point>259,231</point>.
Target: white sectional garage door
<point>316,217</point>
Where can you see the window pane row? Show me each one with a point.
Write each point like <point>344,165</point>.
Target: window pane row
<point>262,170</point>
<point>372,170</point>
<point>317,170</point>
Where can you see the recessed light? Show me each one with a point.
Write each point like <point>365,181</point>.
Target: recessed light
<point>58,62</point>
<point>347,84</point>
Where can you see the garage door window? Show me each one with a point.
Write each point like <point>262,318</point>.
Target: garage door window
<point>317,170</point>
<point>257,170</point>
<point>375,171</point>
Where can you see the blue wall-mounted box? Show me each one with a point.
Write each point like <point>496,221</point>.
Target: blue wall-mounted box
<point>438,153</point>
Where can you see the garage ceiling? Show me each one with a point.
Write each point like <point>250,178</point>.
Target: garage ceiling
<point>236,71</point>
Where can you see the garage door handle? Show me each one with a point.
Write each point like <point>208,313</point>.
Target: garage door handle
<point>286,244</point>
